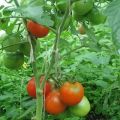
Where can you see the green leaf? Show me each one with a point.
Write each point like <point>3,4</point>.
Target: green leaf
<point>104,59</point>
<point>5,97</point>
<point>30,109</point>
<point>12,112</point>
<point>113,13</point>
<point>101,83</point>
<point>36,14</point>
<point>3,118</point>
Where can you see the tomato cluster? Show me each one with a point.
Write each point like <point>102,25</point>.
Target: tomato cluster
<point>83,10</point>
<point>69,95</point>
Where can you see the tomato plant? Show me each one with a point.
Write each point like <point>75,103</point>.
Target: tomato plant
<point>53,103</point>
<point>82,108</point>
<point>92,59</point>
<point>31,87</point>
<point>71,93</point>
<point>36,29</point>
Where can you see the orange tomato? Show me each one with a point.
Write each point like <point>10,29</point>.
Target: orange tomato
<point>71,93</point>
<point>53,103</point>
<point>37,30</point>
<point>81,29</point>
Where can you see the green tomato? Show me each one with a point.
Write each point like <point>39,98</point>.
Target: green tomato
<point>77,17</point>
<point>82,7</point>
<point>96,17</point>
<point>82,108</point>
<point>61,5</point>
<point>13,60</point>
<point>11,41</point>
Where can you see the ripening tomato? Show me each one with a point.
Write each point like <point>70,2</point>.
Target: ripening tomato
<point>31,87</point>
<point>82,108</point>
<point>53,103</point>
<point>81,29</point>
<point>71,93</point>
<point>37,30</point>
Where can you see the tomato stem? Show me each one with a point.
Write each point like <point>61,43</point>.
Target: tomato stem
<point>39,87</point>
<point>56,43</point>
<point>39,101</point>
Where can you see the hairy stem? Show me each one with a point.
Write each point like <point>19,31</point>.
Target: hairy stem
<point>39,101</point>
<point>57,39</point>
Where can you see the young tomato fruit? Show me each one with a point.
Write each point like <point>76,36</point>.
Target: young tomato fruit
<point>71,93</point>
<point>13,60</point>
<point>53,103</point>
<point>82,108</point>
<point>37,30</point>
<point>31,87</point>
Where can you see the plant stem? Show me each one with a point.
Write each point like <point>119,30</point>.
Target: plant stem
<point>57,39</point>
<point>39,87</point>
<point>39,101</point>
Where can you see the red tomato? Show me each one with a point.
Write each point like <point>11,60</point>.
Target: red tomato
<point>53,103</point>
<point>36,29</point>
<point>71,93</point>
<point>31,87</point>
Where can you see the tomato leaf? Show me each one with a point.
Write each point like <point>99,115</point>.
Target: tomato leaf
<point>114,10</point>
<point>35,13</point>
<point>101,83</point>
